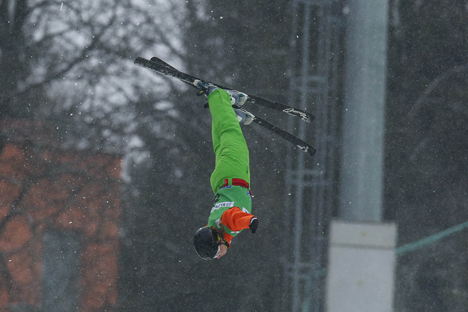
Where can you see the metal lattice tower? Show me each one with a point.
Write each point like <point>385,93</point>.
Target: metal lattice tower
<point>310,182</point>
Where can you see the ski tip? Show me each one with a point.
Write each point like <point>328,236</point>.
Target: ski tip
<point>307,149</point>
<point>139,60</point>
<point>310,118</point>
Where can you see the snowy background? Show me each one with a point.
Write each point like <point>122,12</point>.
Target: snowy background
<point>70,63</point>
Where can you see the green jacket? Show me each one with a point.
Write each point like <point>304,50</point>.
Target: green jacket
<point>225,199</point>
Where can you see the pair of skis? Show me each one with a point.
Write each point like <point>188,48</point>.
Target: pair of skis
<point>161,67</point>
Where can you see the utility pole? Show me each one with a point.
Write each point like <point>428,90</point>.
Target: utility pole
<point>362,249</point>
<point>364,109</point>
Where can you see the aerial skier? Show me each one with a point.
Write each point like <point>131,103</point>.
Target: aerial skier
<point>230,179</point>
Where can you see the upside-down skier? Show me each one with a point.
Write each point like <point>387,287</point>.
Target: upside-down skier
<point>230,179</point>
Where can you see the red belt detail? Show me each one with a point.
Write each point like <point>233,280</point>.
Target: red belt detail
<point>237,182</point>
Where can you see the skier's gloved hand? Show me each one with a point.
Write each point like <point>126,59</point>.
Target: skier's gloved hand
<point>253,224</point>
<point>204,88</point>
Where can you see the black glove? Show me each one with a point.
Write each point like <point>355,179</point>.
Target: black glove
<point>253,224</point>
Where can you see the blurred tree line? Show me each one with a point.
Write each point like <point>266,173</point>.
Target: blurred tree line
<point>70,63</point>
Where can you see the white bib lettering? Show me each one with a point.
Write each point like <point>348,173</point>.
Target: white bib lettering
<point>223,204</point>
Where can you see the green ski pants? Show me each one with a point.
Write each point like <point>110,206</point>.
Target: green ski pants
<point>230,148</point>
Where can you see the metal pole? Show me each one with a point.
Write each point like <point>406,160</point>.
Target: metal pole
<point>363,118</point>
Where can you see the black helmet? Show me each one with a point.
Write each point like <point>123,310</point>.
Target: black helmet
<point>206,242</point>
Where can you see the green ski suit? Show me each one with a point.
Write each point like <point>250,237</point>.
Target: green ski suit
<point>232,163</point>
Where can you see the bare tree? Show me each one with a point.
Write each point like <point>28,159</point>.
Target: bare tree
<point>68,59</point>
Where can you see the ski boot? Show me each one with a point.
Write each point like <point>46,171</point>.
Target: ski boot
<point>205,88</point>
<point>244,116</point>
<point>237,98</point>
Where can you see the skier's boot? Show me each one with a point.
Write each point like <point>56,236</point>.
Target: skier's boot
<point>244,116</point>
<point>205,88</point>
<point>237,98</point>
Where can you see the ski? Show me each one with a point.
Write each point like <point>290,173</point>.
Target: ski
<point>301,144</point>
<point>163,68</point>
